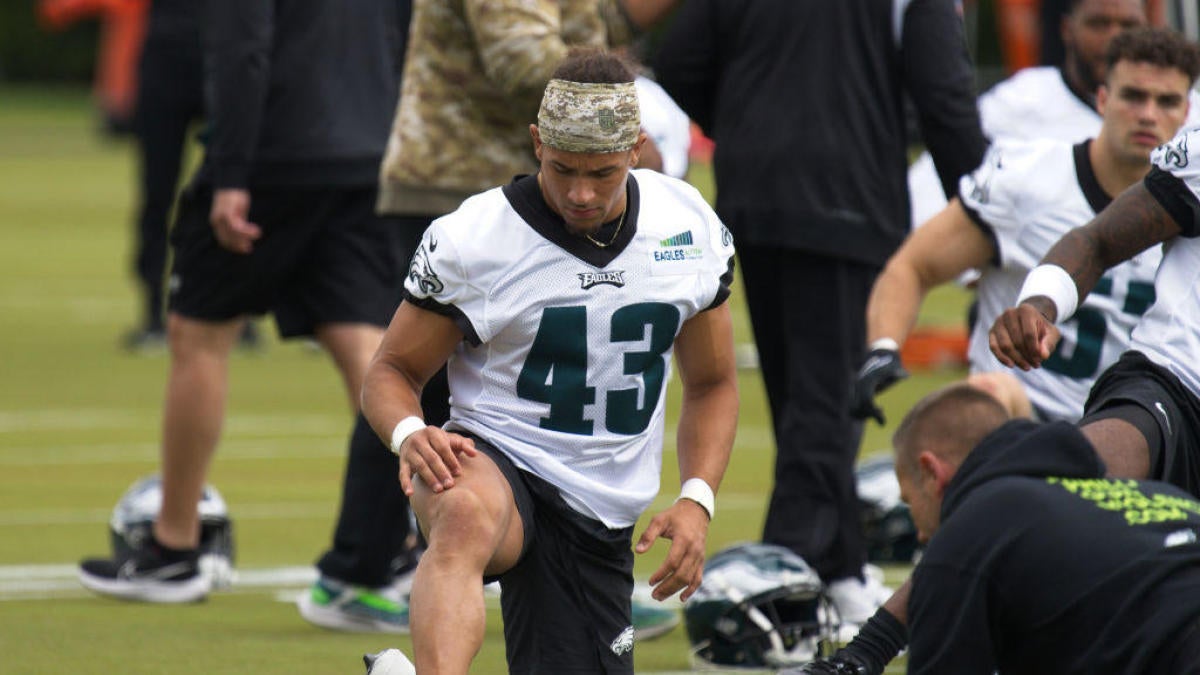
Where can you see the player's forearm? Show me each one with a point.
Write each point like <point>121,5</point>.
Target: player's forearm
<point>388,397</point>
<point>1133,222</point>
<point>707,425</point>
<point>894,303</point>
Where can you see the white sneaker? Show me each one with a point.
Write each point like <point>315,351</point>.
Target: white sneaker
<point>857,600</point>
<point>389,662</point>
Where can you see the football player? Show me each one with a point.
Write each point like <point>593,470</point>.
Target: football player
<point>557,301</point>
<point>1025,196</point>
<point>1046,101</point>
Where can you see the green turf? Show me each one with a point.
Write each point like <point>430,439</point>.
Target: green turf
<point>79,422</point>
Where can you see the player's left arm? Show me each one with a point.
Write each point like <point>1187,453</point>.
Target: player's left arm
<point>707,423</point>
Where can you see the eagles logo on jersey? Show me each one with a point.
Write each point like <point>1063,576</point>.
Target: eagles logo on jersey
<point>1176,152</point>
<point>421,271</point>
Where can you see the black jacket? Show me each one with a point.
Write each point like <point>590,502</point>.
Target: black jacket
<point>1043,566</point>
<point>805,100</point>
<point>301,92</point>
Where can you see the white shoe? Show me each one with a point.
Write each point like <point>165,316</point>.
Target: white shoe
<point>857,600</point>
<point>389,662</point>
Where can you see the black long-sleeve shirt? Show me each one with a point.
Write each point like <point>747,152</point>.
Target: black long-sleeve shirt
<point>301,92</point>
<point>804,99</point>
<point>1042,566</point>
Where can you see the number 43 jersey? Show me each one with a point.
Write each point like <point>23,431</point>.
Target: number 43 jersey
<point>1025,196</point>
<point>568,344</point>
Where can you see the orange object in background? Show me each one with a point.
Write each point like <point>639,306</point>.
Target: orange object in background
<point>928,348</point>
<point>1018,23</point>
<point>123,28</point>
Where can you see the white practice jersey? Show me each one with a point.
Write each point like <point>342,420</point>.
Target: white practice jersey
<point>1026,196</point>
<point>568,346</point>
<point>1035,103</point>
<point>1169,334</point>
<point>666,124</point>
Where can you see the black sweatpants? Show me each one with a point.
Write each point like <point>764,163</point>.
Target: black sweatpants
<point>808,315</point>
<point>170,99</point>
<point>373,523</point>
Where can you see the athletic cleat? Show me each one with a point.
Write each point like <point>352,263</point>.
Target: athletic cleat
<point>389,662</point>
<point>149,575</point>
<point>333,605</point>
<point>651,621</point>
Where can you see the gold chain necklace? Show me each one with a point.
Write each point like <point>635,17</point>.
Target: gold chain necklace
<point>616,233</point>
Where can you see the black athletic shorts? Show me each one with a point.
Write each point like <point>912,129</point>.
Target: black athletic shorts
<point>324,257</point>
<point>566,603</point>
<point>1135,379</point>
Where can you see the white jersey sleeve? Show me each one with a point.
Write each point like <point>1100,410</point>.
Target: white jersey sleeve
<point>666,124</point>
<point>1169,334</point>
<point>1175,179</point>
<point>1015,178</point>
<point>439,280</point>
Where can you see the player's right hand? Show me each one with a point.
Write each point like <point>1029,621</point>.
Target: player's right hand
<point>431,454</point>
<point>228,217</point>
<point>880,370</point>
<point>1024,336</point>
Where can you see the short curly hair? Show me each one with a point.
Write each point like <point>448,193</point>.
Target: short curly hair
<point>1161,47</point>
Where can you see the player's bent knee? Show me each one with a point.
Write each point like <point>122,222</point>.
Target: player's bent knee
<point>462,514</point>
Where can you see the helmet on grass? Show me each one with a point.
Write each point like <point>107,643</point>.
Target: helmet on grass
<point>759,606</point>
<point>132,524</point>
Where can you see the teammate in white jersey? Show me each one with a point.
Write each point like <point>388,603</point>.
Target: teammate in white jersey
<point>1009,212</point>
<point>557,301</point>
<point>1045,101</point>
<point>1023,199</point>
<point>1143,414</point>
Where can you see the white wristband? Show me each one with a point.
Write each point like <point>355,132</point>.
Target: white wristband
<point>1055,283</point>
<point>696,490</point>
<point>405,428</point>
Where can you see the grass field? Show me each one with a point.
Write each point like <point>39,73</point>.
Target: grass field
<point>79,422</point>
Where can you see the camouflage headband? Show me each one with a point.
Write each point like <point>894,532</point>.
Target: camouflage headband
<point>589,117</point>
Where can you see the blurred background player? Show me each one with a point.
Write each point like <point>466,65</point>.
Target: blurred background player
<point>170,102</point>
<point>809,168</point>
<point>1009,212</point>
<point>280,218</point>
<point>1052,101</point>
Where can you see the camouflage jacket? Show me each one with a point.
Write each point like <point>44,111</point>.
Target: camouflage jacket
<point>473,80</point>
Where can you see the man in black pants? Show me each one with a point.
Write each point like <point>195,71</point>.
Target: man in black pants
<point>280,218</point>
<point>810,173</point>
<point>170,99</point>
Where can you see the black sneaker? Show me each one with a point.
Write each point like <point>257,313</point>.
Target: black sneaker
<point>153,574</point>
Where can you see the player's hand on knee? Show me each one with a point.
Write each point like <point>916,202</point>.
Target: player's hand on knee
<point>230,210</point>
<point>1023,336</point>
<point>432,454</point>
<point>881,369</point>
<point>686,525</point>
